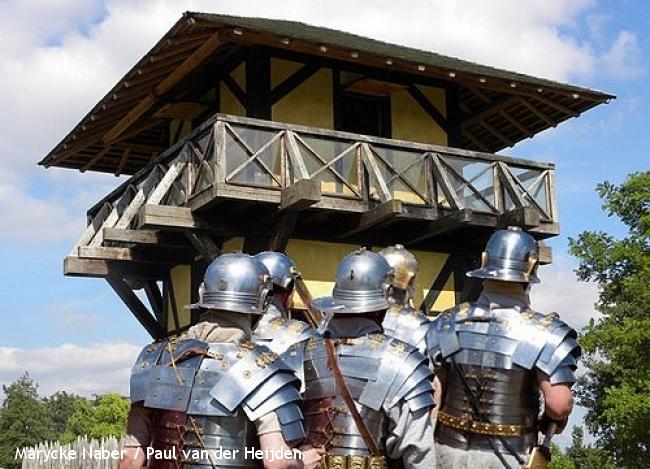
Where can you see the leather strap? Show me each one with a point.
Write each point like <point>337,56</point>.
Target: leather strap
<point>343,388</point>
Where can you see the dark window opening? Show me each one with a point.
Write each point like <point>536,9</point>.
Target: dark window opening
<point>364,114</point>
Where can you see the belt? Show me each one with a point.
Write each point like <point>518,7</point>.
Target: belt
<point>335,461</point>
<point>481,428</point>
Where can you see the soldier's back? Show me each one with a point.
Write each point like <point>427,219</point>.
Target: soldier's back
<point>487,360</point>
<point>205,399</point>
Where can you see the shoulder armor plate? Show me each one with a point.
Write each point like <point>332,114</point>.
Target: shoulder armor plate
<point>408,325</point>
<point>254,365</point>
<point>141,371</point>
<point>278,334</point>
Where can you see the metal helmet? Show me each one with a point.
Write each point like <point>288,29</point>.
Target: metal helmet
<point>362,279</point>
<point>282,268</point>
<point>403,263</point>
<point>235,282</point>
<point>511,255</point>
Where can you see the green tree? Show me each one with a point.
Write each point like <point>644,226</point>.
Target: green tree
<point>587,457</point>
<point>104,417</point>
<point>559,460</point>
<point>616,388</point>
<point>61,405</point>
<point>24,420</point>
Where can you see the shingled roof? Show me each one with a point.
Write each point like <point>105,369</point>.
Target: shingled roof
<point>126,129</point>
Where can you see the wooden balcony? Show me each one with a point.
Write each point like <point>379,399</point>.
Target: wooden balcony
<point>268,181</point>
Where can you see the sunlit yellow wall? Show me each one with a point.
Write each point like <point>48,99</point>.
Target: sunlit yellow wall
<point>310,104</point>
<point>229,104</point>
<point>411,122</point>
<point>317,262</point>
<point>181,278</point>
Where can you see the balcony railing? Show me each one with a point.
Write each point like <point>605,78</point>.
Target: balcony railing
<point>248,159</point>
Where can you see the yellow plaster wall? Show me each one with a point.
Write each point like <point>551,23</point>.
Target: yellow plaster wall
<point>229,104</point>
<point>410,122</point>
<point>310,104</point>
<point>181,279</point>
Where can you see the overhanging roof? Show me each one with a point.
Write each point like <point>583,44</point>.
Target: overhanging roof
<point>126,129</point>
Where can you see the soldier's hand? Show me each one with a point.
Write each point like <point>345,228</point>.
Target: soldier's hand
<point>545,421</point>
<point>311,457</point>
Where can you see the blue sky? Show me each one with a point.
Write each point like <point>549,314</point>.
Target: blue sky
<point>59,58</point>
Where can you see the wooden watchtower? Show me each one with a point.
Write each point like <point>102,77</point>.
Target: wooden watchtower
<point>253,134</point>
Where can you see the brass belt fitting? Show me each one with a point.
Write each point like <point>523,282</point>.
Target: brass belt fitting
<point>335,461</point>
<point>478,427</point>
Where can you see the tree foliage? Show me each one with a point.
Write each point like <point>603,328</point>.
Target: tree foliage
<point>24,420</point>
<point>559,460</point>
<point>105,417</point>
<point>61,405</point>
<point>586,456</point>
<point>616,388</point>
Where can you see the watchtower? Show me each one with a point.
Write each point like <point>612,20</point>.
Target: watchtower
<point>254,134</point>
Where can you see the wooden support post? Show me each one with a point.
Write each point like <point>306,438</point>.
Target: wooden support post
<point>438,284</point>
<point>139,310</point>
<point>445,224</point>
<point>282,231</point>
<point>302,194</point>
<point>525,217</point>
<point>155,299</point>
<point>203,244</point>
<point>258,84</point>
<point>375,217</point>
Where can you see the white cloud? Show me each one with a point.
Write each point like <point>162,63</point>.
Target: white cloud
<point>623,60</point>
<point>561,292</point>
<point>97,368</point>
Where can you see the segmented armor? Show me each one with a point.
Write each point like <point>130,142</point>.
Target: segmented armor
<point>208,395</point>
<point>285,337</point>
<point>408,325</point>
<point>498,351</point>
<point>381,372</point>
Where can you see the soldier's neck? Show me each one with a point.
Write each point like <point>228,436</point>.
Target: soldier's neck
<point>222,327</point>
<point>340,327</point>
<point>504,294</point>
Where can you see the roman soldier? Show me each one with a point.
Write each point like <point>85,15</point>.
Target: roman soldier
<point>280,333</point>
<point>402,320</point>
<point>494,357</point>
<point>368,396</point>
<point>206,398</point>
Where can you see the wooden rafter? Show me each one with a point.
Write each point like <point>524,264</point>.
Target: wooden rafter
<point>558,106</point>
<point>498,134</point>
<point>189,64</point>
<point>537,112</point>
<point>516,124</point>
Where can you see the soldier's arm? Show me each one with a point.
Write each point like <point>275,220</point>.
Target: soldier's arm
<point>138,437</point>
<point>411,436</point>
<point>558,399</point>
